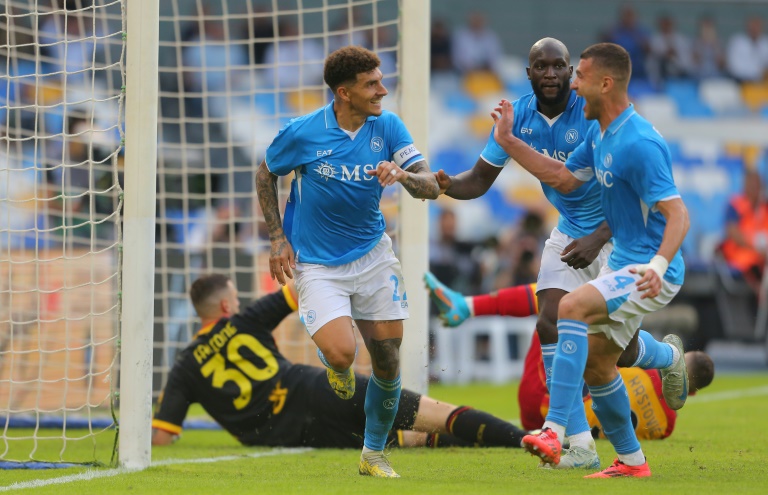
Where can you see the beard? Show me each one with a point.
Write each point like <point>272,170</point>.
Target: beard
<point>562,95</point>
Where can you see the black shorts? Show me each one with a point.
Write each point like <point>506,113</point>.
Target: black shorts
<point>314,416</point>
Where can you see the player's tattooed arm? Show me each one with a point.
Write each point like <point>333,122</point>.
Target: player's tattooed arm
<point>420,182</point>
<point>266,188</point>
<point>281,257</point>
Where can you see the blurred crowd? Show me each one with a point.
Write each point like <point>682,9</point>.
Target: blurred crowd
<point>227,84</point>
<point>658,54</point>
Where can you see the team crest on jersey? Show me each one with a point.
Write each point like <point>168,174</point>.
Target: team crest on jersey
<point>311,316</point>
<point>571,136</point>
<point>608,160</point>
<point>326,170</point>
<point>377,144</point>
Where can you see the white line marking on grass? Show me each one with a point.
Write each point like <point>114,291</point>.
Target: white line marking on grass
<point>206,460</point>
<point>91,474</point>
<point>729,394</point>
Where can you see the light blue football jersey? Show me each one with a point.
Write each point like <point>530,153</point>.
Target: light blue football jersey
<point>333,216</point>
<point>633,166</point>
<point>580,212</point>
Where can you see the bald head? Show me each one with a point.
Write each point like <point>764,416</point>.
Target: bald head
<point>550,73</point>
<point>549,45</point>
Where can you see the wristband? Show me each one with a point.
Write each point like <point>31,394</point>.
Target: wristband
<point>658,264</point>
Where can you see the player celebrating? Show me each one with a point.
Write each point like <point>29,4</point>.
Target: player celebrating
<point>551,121</point>
<point>645,270</point>
<point>343,155</point>
<point>234,368</point>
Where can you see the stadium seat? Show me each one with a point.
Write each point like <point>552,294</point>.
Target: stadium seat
<point>755,95</point>
<point>512,69</point>
<point>639,88</point>
<point>722,95</point>
<point>485,348</point>
<point>460,103</point>
<point>685,94</point>
<point>656,108</point>
<point>478,84</point>
<point>452,160</point>
<point>518,88</point>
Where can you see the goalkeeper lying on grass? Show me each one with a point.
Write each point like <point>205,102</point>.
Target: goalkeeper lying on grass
<point>234,369</point>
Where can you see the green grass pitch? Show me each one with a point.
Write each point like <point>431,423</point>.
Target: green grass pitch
<point>719,446</point>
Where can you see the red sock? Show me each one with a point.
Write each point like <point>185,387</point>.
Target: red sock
<point>512,301</point>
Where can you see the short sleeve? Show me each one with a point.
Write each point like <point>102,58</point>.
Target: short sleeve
<point>493,154</point>
<point>283,152</point>
<point>404,151</point>
<point>651,172</point>
<point>581,162</point>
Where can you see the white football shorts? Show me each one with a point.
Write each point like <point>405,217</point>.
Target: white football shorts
<point>555,274</point>
<point>369,288</point>
<point>625,308</point>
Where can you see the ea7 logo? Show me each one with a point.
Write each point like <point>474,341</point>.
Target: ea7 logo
<point>526,130</point>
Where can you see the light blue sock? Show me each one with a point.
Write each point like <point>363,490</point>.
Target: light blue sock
<point>567,370</point>
<point>611,405</point>
<point>652,354</point>
<point>381,401</point>
<point>577,418</point>
<point>548,356</point>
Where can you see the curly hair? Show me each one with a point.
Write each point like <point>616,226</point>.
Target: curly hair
<point>343,65</point>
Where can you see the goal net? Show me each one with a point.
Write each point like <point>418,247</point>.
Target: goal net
<point>231,74</point>
<point>60,195</point>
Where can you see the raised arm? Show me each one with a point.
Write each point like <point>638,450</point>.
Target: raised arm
<point>548,170</point>
<point>469,184</point>
<point>281,257</point>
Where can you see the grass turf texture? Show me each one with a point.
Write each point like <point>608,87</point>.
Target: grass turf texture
<point>719,446</point>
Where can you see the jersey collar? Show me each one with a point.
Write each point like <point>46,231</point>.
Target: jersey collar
<point>622,119</point>
<point>330,117</point>
<point>206,329</point>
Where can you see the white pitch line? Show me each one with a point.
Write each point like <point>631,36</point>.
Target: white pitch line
<point>728,395</point>
<point>106,473</point>
<point>91,474</point>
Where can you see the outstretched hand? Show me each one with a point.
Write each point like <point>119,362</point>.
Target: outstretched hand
<point>444,180</point>
<point>503,117</point>
<point>388,173</point>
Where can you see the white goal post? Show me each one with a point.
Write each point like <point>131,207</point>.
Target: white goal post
<point>138,274</point>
